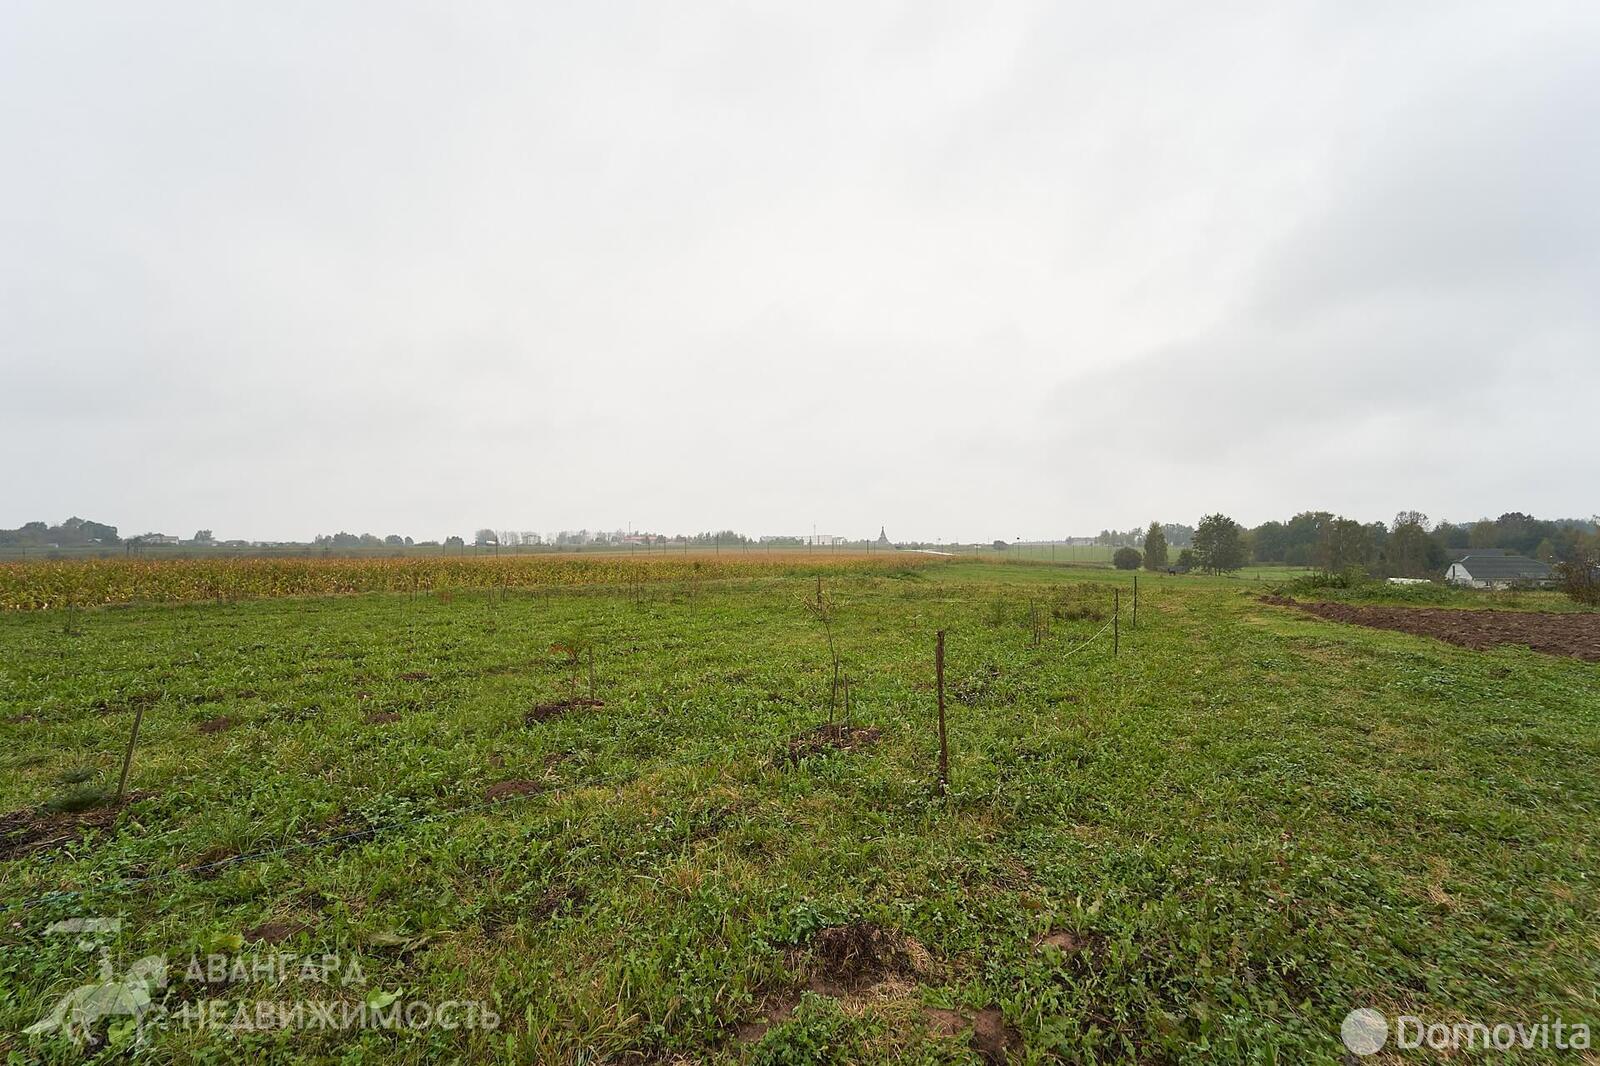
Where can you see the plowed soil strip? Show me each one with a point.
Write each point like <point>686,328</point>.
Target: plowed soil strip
<point>1576,635</point>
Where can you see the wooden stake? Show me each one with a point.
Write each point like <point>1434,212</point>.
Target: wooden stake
<point>944,743</point>
<point>833,695</point>
<point>127,757</point>
<point>1116,622</point>
<point>1135,624</point>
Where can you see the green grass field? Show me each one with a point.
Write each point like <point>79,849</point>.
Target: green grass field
<point>1080,554</point>
<point>1207,848</point>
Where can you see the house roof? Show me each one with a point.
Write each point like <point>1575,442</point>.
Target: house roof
<point>1504,567</point>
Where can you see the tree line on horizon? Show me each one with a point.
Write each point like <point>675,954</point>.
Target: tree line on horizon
<point>1407,547</point>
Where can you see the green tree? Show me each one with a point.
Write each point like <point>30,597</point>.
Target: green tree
<point>1270,540</point>
<point>1155,547</point>
<point>1345,543</point>
<point>1409,544</point>
<point>1178,535</point>
<point>1219,544</point>
<point>1126,559</point>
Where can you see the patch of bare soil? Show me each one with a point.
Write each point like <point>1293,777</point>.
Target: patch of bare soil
<point>994,1038</point>
<point>1575,635</point>
<point>546,711</point>
<point>210,863</point>
<point>215,725</point>
<point>515,787</point>
<point>774,1011</point>
<point>558,898</point>
<point>31,830</point>
<point>382,717</point>
<point>1069,942</point>
<point>849,958</point>
<point>859,963</point>
<point>416,675</point>
<point>274,932</point>
<point>832,736</point>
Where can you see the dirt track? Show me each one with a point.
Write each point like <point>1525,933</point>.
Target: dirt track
<point>1574,635</point>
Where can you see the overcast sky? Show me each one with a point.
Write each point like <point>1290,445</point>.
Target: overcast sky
<point>964,270</point>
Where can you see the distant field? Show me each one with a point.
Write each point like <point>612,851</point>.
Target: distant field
<point>1100,556</point>
<point>121,580</point>
<point>1207,848</point>
<point>1087,554</point>
<point>1441,595</point>
<point>103,582</point>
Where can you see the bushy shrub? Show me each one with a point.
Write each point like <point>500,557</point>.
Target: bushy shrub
<point>1580,578</point>
<point>1348,578</point>
<point>1127,559</point>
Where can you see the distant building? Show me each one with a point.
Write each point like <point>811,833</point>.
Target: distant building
<point>883,538</point>
<point>824,540</point>
<point>1499,571</point>
<point>153,538</point>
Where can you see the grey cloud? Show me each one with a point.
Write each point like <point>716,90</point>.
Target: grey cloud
<point>970,272</point>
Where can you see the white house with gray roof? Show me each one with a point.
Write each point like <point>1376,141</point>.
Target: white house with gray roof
<point>1498,570</point>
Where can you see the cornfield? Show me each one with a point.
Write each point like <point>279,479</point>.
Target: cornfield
<point>36,586</point>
